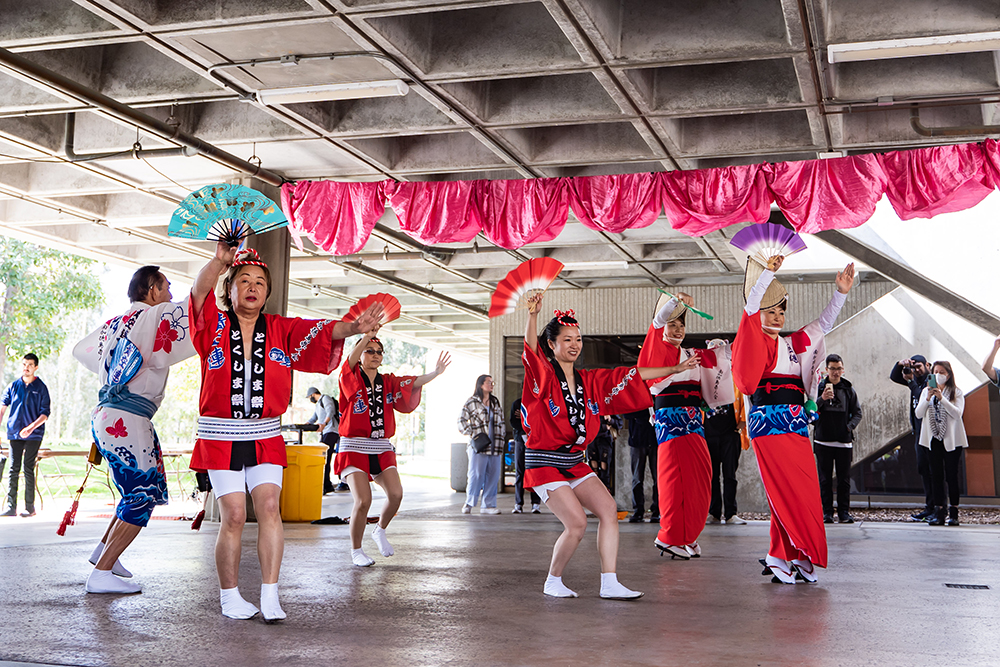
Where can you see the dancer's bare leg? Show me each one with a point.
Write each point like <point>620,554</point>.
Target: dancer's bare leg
<point>361,490</point>
<point>270,532</point>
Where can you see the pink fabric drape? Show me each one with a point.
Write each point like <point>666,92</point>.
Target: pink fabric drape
<point>941,179</point>
<point>516,213</point>
<point>991,159</point>
<point>839,193</point>
<point>445,212</point>
<point>702,201</point>
<point>337,217</point>
<point>616,203</point>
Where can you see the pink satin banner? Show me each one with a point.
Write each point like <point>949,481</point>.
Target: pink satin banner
<point>839,193</point>
<point>814,195</point>
<point>705,200</point>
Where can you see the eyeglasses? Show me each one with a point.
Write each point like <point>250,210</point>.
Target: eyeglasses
<point>378,352</point>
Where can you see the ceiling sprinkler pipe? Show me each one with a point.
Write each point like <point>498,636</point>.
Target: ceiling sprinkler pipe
<point>954,131</point>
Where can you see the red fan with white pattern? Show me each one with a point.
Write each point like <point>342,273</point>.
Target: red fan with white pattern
<point>388,301</point>
<point>529,278</point>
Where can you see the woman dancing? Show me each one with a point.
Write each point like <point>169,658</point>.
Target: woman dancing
<point>561,407</point>
<point>247,359</point>
<point>684,465</point>
<point>780,375</point>
<point>368,403</point>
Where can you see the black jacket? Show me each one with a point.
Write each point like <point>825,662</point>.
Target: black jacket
<point>839,416</point>
<point>641,433</point>
<point>515,419</point>
<point>916,385</point>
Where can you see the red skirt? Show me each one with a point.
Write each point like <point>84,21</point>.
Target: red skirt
<point>537,476</point>
<point>788,471</point>
<point>365,462</point>
<point>216,454</point>
<point>684,477</point>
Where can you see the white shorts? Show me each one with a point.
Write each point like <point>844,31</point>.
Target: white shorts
<point>238,481</point>
<point>544,489</point>
<point>349,469</point>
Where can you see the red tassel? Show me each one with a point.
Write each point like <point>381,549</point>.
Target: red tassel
<point>70,517</point>
<point>196,524</point>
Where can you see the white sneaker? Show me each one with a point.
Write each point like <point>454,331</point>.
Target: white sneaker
<point>734,520</point>
<point>466,509</point>
<point>711,520</point>
<point>536,509</point>
<point>517,510</point>
<point>489,510</point>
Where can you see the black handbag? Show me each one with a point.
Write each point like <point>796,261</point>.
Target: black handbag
<point>481,442</point>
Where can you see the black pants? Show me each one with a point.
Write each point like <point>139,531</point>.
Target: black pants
<point>26,450</point>
<point>725,451</point>
<point>828,458</point>
<point>944,468</point>
<point>599,455</point>
<point>519,474</point>
<point>331,440</point>
<point>640,456</point>
<point>924,470</point>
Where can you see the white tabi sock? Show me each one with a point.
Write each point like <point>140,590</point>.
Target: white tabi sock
<point>269,606</point>
<point>557,589</point>
<point>382,541</point>
<point>117,569</point>
<point>103,581</point>
<point>234,606</point>
<point>360,558</point>
<point>612,590</point>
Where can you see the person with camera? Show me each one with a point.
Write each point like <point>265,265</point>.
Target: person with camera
<point>913,373</point>
<point>833,438</point>
<point>942,434</point>
<point>482,419</point>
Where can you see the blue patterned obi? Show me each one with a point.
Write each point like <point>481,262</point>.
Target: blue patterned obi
<point>673,423</point>
<point>778,420</point>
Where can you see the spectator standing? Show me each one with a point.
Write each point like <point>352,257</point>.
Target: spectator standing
<point>520,438</point>
<point>913,373</point>
<point>722,436</point>
<point>482,420</point>
<point>942,433</point>
<point>642,450</point>
<point>28,400</point>
<point>327,416</point>
<point>601,450</point>
<point>833,438</point>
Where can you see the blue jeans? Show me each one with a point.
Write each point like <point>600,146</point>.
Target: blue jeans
<point>484,477</point>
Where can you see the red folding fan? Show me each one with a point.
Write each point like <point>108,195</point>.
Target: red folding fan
<point>388,301</point>
<point>531,277</point>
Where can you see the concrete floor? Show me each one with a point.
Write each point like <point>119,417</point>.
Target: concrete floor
<point>466,590</point>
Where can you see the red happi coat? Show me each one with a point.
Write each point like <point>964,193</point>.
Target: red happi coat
<point>290,343</point>
<point>606,391</point>
<point>355,419</point>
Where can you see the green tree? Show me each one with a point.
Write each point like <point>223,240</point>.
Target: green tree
<point>41,290</point>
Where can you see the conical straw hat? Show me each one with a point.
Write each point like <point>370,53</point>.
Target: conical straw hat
<point>678,310</point>
<point>775,293</point>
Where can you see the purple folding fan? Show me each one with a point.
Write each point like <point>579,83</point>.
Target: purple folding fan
<point>762,242</point>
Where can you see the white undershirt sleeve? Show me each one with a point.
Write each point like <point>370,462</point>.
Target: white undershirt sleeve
<point>660,320</point>
<point>757,292</point>
<point>832,310</point>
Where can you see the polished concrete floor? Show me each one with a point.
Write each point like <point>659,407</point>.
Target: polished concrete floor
<point>466,590</point>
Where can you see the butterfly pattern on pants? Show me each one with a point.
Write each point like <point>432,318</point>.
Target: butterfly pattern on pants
<point>118,430</point>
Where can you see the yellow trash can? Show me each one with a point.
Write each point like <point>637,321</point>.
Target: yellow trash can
<point>302,483</point>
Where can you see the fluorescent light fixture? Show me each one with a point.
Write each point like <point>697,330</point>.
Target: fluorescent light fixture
<point>333,91</point>
<point>914,46</point>
<point>620,264</point>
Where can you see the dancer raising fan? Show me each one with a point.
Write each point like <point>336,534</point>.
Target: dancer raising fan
<point>247,359</point>
<point>683,463</point>
<point>368,403</point>
<point>562,408</point>
<point>780,375</point>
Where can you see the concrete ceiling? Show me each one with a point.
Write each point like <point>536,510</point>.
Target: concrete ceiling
<point>499,89</point>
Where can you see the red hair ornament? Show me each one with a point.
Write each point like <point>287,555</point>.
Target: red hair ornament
<point>566,318</point>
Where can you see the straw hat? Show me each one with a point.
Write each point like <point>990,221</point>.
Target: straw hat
<point>775,293</point>
<point>678,310</point>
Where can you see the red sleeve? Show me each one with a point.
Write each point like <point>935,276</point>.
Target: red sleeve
<point>352,424</point>
<point>405,397</point>
<point>311,345</point>
<point>205,323</point>
<point>537,372</point>
<point>750,354</point>
<point>617,390</point>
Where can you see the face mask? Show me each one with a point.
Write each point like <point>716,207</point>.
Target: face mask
<point>941,378</point>
<point>312,398</point>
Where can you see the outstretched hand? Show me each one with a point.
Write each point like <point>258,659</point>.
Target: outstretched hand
<point>689,363</point>
<point>845,279</point>
<point>444,360</point>
<point>369,320</point>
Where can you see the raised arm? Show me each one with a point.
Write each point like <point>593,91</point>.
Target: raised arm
<point>531,329</point>
<point>760,287</point>
<point>208,277</point>
<point>987,365</point>
<point>845,280</point>
<point>355,356</point>
<point>444,359</point>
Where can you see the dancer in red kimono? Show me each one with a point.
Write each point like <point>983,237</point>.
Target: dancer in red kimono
<point>247,359</point>
<point>368,403</point>
<point>561,408</point>
<point>780,375</point>
<point>684,466</point>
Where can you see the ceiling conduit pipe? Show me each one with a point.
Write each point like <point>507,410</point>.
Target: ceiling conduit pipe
<point>954,131</point>
<point>123,112</point>
<point>70,139</point>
